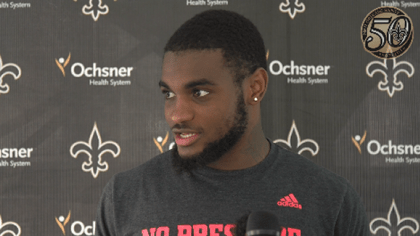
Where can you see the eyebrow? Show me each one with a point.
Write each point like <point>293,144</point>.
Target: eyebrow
<point>199,82</point>
<point>163,84</point>
<point>191,84</point>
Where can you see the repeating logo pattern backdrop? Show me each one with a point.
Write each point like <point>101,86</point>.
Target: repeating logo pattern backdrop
<point>80,102</point>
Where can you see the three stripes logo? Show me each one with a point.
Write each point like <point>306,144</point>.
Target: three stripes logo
<point>289,201</point>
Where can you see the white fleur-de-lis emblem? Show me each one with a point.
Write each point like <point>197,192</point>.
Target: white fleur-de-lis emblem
<point>387,70</point>
<point>89,10</point>
<point>302,145</point>
<point>8,69</point>
<point>102,148</point>
<point>394,228</point>
<point>287,8</point>
<point>9,228</point>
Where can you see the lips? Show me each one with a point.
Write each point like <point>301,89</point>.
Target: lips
<point>185,139</point>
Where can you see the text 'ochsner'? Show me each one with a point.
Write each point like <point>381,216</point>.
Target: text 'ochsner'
<point>301,74</point>
<point>100,75</point>
<point>399,151</point>
<point>13,157</point>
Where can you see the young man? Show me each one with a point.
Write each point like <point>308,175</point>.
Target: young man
<point>213,79</point>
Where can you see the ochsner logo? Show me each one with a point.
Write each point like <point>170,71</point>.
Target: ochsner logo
<point>98,75</point>
<point>62,222</point>
<point>160,142</point>
<point>301,74</point>
<point>9,228</point>
<point>61,63</point>
<point>374,147</point>
<point>77,228</point>
<point>357,141</point>
<point>15,157</point>
<point>207,2</point>
<point>393,152</point>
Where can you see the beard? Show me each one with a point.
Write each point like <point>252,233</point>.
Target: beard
<point>215,150</point>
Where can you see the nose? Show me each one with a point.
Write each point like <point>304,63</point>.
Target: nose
<point>179,111</point>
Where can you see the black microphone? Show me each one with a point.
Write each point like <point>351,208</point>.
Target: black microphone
<point>262,223</point>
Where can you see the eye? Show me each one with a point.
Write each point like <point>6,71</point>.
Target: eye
<point>168,94</point>
<point>200,93</point>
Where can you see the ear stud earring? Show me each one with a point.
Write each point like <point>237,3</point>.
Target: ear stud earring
<point>256,99</point>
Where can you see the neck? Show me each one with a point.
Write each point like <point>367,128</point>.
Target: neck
<point>252,148</point>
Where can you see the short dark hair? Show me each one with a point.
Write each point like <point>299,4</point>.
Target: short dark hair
<point>241,42</point>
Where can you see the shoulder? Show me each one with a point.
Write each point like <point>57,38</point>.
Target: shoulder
<point>305,173</point>
<point>160,161</point>
<point>156,169</point>
<point>323,191</point>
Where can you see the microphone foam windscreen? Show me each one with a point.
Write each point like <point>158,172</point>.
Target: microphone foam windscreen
<point>262,220</point>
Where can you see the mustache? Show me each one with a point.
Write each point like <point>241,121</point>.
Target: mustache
<point>181,126</point>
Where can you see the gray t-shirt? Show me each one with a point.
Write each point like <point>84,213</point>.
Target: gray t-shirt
<point>153,200</point>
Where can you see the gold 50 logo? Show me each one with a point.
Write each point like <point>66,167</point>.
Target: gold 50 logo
<point>387,32</point>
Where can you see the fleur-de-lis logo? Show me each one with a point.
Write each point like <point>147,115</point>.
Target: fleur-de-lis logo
<point>62,222</point>
<point>61,63</point>
<point>358,141</point>
<point>398,34</point>
<point>8,69</point>
<point>394,225</point>
<point>390,68</point>
<point>292,10</point>
<point>100,9</point>
<point>160,142</point>
<point>9,228</point>
<point>97,151</point>
<point>301,145</point>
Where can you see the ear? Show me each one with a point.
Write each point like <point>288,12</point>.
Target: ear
<point>258,82</point>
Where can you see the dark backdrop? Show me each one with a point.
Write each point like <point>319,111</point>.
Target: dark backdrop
<point>53,117</point>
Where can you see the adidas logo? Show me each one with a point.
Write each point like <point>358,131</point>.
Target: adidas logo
<point>289,201</point>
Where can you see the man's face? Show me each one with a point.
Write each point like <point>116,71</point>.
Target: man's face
<point>203,106</point>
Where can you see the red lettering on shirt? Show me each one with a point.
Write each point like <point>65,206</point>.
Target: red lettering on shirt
<point>162,231</point>
<point>283,231</point>
<point>214,227</point>
<point>184,230</point>
<point>210,230</point>
<point>145,232</point>
<point>293,232</point>
<point>200,230</point>
<point>228,229</point>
